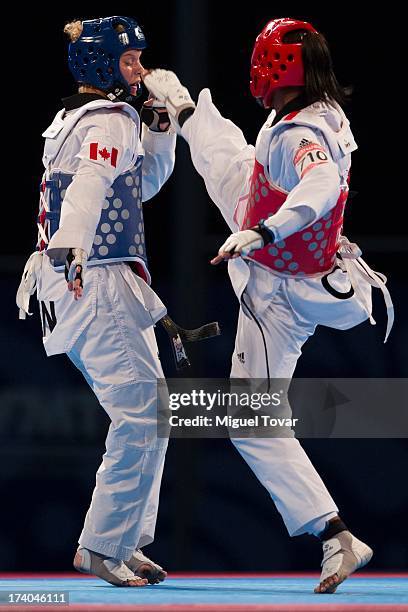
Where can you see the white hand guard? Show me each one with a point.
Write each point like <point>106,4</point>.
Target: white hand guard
<point>166,87</point>
<point>75,267</point>
<point>242,242</point>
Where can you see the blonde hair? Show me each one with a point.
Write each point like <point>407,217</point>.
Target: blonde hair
<point>73,30</point>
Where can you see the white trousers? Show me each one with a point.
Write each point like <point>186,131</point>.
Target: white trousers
<point>280,464</point>
<point>288,311</point>
<point>117,353</point>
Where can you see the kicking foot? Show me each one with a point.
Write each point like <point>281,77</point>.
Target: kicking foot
<point>343,554</point>
<point>111,570</point>
<point>144,567</point>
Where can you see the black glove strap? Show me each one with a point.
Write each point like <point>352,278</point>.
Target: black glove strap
<point>267,235</point>
<point>156,119</point>
<point>68,262</point>
<point>184,115</point>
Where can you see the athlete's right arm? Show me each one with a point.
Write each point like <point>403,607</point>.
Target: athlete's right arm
<point>100,162</point>
<point>81,207</point>
<point>219,151</point>
<point>220,154</point>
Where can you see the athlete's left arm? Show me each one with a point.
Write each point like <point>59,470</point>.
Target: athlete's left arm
<point>300,163</point>
<point>158,162</point>
<point>303,166</point>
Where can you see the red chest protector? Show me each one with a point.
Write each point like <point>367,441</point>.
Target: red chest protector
<point>310,251</point>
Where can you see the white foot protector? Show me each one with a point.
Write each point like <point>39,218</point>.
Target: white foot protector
<point>342,555</point>
<point>109,569</point>
<point>144,567</point>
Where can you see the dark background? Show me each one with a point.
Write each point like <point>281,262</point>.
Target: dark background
<point>214,515</point>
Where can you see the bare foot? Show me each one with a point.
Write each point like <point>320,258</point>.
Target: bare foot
<point>329,585</point>
<point>144,567</point>
<point>153,576</point>
<point>111,570</point>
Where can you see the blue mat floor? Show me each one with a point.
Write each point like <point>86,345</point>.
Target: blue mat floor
<point>223,591</point>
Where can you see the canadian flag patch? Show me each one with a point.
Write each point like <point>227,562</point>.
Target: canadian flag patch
<point>97,151</point>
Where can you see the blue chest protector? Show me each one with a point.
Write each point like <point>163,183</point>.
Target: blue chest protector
<point>120,232</point>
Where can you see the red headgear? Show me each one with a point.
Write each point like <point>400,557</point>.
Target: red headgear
<point>276,64</point>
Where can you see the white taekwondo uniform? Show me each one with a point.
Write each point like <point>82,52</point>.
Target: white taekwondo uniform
<point>109,332</point>
<point>287,302</point>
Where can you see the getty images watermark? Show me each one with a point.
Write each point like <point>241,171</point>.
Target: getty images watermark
<point>281,408</point>
<point>228,401</point>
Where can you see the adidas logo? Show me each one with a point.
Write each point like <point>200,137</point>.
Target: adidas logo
<point>304,142</point>
<point>124,38</point>
<point>241,357</point>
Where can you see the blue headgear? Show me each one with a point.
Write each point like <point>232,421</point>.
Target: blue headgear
<point>94,58</point>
